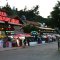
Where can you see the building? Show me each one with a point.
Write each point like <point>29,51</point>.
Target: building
<point>8,24</point>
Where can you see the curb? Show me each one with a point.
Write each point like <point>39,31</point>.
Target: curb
<point>6,49</point>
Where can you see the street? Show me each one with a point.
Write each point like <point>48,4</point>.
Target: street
<point>47,51</point>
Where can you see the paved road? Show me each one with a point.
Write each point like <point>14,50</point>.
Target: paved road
<point>41,52</point>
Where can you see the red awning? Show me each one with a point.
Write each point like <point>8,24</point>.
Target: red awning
<point>21,35</point>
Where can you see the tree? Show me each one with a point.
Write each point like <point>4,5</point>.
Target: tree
<point>30,14</point>
<point>8,10</point>
<point>29,28</point>
<point>35,10</point>
<point>49,22</point>
<point>55,16</point>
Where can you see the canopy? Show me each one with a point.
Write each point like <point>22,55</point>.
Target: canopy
<point>22,35</point>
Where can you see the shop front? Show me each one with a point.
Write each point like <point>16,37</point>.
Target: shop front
<point>7,25</point>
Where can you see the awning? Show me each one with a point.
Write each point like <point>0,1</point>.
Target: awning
<point>46,28</point>
<point>2,22</point>
<point>15,24</point>
<point>22,35</point>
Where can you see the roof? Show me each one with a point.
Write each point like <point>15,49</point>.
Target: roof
<point>46,28</point>
<point>33,23</point>
<point>15,24</point>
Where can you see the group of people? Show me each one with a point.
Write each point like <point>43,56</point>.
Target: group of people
<point>19,42</point>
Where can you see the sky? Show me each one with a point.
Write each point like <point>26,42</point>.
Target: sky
<point>45,6</point>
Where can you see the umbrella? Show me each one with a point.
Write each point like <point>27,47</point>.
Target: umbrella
<point>22,35</point>
<point>18,35</point>
<point>27,35</point>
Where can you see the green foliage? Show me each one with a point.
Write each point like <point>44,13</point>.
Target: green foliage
<point>29,28</point>
<point>30,14</point>
<point>55,16</point>
<point>8,10</point>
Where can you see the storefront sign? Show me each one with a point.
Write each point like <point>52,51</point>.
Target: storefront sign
<point>3,17</point>
<point>3,13</point>
<point>14,21</point>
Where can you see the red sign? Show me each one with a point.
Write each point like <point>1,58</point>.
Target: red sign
<point>3,17</point>
<point>3,13</point>
<point>15,21</point>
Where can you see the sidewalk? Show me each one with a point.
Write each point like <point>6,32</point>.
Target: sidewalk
<point>14,48</point>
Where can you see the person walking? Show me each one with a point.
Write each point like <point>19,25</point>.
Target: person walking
<point>17,40</point>
<point>28,41</point>
<point>24,42</point>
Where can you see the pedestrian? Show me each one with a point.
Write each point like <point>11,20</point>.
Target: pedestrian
<point>20,42</point>
<point>39,39</point>
<point>17,40</point>
<point>7,43</point>
<point>46,38</point>
<point>24,41</point>
<point>28,42</point>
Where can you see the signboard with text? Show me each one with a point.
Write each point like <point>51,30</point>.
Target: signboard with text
<point>4,18</point>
